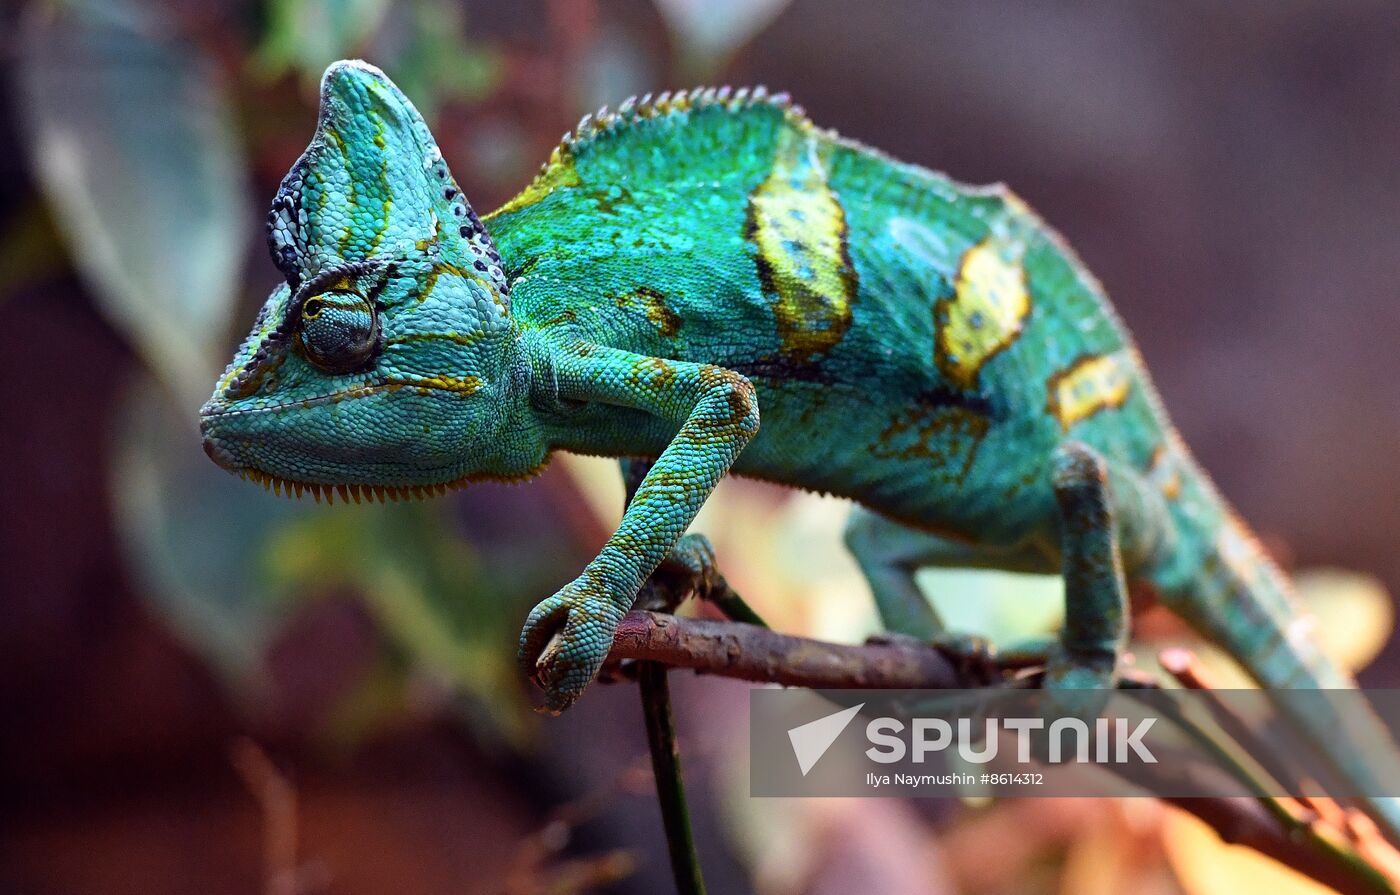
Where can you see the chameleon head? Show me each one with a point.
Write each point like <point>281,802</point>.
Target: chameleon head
<point>387,361</point>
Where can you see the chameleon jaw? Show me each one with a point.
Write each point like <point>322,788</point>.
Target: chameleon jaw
<point>362,493</point>
<point>357,493</point>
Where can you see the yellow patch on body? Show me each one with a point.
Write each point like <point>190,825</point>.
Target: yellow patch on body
<point>469,338</point>
<point>558,173</point>
<point>652,374</point>
<point>462,385</point>
<point>1164,471</point>
<point>985,314</point>
<point>341,285</point>
<point>1088,385</point>
<point>653,305</point>
<point>948,437</point>
<point>1238,550</point>
<point>799,229</point>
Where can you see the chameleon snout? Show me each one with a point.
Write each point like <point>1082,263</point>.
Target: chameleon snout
<point>214,448</point>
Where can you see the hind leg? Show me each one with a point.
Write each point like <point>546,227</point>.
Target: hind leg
<point>889,554</point>
<point>1095,633</point>
<point>1096,605</point>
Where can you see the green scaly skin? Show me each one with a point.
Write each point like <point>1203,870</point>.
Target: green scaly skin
<point>930,350</point>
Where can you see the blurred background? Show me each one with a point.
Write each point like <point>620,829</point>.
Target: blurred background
<point>205,688</point>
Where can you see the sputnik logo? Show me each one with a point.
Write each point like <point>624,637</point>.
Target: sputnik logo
<point>811,740</point>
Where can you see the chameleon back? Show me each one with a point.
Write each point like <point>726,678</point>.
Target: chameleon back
<point>919,345</point>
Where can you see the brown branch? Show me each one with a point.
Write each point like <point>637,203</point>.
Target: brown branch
<point>751,653</point>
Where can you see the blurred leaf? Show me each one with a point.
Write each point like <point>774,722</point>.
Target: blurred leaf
<point>451,616</point>
<point>194,534</point>
<point>381,695</point>
<point>709,31</point>
<point>422,43</point>
<point>308,35</point>
<point>1354,612</point>
<point>132,143</point>
<point>433,60</point>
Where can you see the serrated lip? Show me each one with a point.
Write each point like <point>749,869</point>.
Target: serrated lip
<point>361,493</point>
<point>357,493</point>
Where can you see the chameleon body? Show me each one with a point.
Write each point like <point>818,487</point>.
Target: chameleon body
<point>930,350</point>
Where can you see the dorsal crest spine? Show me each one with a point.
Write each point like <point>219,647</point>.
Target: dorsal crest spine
<point>635,110</point>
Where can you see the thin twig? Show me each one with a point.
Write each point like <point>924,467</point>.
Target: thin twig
<point>666,592</point>
<point>1186,669</point>
<point>670,787</point>
<point>277,799</point>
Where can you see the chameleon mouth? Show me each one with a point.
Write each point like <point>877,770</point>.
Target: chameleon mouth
<point>348,493</point>
<point>362,493</point>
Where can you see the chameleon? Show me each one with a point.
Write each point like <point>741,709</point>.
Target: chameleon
<point>930,350</point>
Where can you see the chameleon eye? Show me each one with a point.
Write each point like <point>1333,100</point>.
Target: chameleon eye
<point>339,331</point>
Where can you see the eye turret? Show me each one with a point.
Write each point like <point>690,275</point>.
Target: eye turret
<point>339,331</point>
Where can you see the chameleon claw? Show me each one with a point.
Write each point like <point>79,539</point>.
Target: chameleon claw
<point>564,642</point>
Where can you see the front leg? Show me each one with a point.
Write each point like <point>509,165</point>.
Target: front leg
<point>567,637</point>
<point>688,570</point>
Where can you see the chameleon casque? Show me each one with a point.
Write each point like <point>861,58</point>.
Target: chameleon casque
<point>930,350</point>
